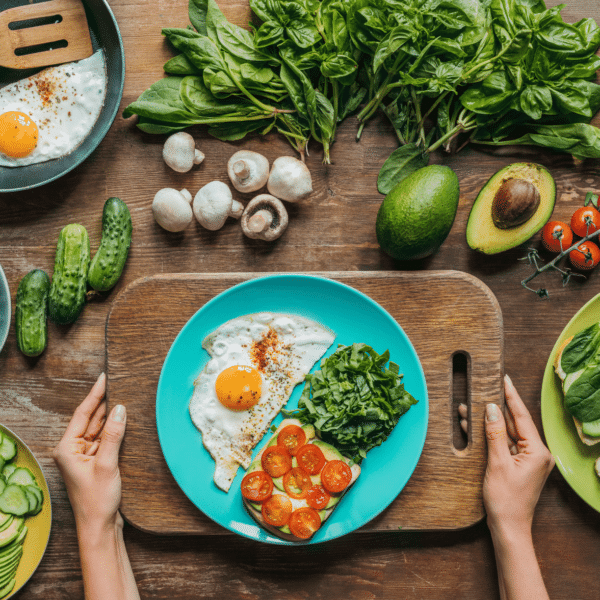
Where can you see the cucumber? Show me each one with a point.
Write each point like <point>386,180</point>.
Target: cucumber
<point>14,501</point>
<point>31,312</point>
<point>7,471</point>
<point>67,292</point>
<point>21,476</point>
<point>107,265</point>
<point>8,449</point>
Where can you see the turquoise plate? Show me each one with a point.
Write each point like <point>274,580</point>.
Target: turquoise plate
<point>354,317</point>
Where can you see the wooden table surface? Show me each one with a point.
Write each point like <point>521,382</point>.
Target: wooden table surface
<point>333,231</point>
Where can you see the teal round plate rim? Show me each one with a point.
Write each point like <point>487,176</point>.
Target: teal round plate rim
<point>5,308</point>
<point>573,458</point>
<point>47,499</point>
<point>354,317</point>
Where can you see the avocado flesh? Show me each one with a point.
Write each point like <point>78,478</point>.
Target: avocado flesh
<point>482,233</point>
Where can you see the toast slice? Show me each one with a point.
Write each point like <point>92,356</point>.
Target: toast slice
<point>586,439</point>
<point>330,453</point>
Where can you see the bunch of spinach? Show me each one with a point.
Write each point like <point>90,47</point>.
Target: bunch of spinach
<point>501,71</point>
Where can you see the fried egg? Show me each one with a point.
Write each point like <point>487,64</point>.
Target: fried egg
<point>48,115</point>
<point>256,361</point>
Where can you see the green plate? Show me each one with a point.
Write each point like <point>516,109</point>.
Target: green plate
<point>574,459</point>
<point>39,525</point>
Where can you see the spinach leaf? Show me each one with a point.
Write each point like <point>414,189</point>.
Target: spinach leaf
<point>232,132</point>
<point>201,51</point>
<point>584,346</point>
<point>400,164</point>
<point>582,398</point>
<point>197,12</point>
<point>180,65</point>
<point>268,34</point>
<point>240,43</point>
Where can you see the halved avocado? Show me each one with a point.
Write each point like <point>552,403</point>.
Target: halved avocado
<point>482,233</point>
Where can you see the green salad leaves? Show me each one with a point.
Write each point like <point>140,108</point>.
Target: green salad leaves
<point>445,72</point>
<point>354,401</point>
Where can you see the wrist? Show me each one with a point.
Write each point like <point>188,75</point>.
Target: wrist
<point>510,534</point>
<point>96,530</point>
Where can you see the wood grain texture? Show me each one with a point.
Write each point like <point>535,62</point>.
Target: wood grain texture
<point>333,231</point>
<point>148,315</point>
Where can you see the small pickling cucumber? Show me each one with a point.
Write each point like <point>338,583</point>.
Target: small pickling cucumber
<point>31,313</point>
<point>69,282</point>
<point>107,265</point>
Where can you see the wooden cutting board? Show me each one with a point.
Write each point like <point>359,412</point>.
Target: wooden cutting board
<point>444,313</point>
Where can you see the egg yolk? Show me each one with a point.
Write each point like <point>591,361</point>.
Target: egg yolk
<point>18,134</point>
<point>239,387</point>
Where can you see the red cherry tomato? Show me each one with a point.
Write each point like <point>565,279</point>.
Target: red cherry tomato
<point>304,522</point>
<point>310,458</point>
<point>585,220</point>
<point>296,483</point>
<point>291,437</point>
<point>277,510</point>
<point>556,236</point>
<point>276,461</point>
<point>585,257</point>
<point>257,486</point>
<point>336,475</point>
<point>317,497</point>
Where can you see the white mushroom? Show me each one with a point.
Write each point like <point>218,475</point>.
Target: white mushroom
<point>172,210</point>
<point>214,203</point>
<point>289,179</point>
<point>180,153</point>
<point>248,171</point>
<point>265,218</point>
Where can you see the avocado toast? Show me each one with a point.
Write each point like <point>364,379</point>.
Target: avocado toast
<point>308,495</point>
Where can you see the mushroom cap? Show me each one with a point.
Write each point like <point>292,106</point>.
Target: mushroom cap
<point>172,210</point>
<point>254,169</point>
<point>213,204</point>
<point>180,153</point>
<point>273,227</point>
<point>290,179</point>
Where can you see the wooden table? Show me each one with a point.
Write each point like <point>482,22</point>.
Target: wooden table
<point>333,231</point>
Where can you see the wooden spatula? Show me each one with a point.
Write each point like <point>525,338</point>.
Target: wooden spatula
<point>72,28</point>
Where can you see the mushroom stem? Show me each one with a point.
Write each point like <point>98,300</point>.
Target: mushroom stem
<point>241,170</point>
<point>260,221</point>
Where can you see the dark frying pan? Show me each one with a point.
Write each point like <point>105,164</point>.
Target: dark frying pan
<point>105,34</point>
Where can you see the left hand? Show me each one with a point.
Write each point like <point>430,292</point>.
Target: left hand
<point>88,456</point>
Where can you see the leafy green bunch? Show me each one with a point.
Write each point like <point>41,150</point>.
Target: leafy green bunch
<point>500,71</point>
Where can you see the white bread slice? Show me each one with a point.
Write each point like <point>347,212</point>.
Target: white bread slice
<point>586,439</point>
<point>257,514</point>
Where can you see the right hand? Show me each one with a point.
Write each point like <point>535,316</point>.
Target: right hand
<point>88,459</point>
<point>518,465</point>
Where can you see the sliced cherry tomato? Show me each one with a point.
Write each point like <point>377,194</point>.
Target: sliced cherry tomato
<point>304,522</point>
<point>585,220</point>
<point>276,510</point>
<point>317,497</point>
<point>585,257</point>
<point>296,483</point>
<point>276,461</point>
<point>310,458</point>
<point>257,486</point>
<point>336,476</point>
<point>292,437</point>
<point>557,236</point>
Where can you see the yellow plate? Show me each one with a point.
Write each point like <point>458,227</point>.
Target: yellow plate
<point>39,525</point>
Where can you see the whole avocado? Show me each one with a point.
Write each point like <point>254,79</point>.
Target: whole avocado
<point>416,216</point>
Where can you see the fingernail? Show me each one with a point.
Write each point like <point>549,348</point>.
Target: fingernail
<point>118,413</point>
<point>508,380</point>
<point>491,412</point>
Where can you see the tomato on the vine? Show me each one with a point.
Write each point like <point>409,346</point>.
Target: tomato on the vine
<point>585,257</point>
<point>585,220</point>
<point>556,236</point>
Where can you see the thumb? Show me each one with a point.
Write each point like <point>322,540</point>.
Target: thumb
<point>112,436</point>
<point>495,432</point>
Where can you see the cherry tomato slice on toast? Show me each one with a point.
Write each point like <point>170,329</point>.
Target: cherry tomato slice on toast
<point>277,510</point>
<point>276,461</point>
<point>296,483</point>
<point>317,497</point>
<point>304,522</point>
<point>336,476</point>
<point>257,486</point>
<point>291,437</point>
<point>310,458</point>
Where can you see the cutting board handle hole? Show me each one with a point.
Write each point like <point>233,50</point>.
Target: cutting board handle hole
<point>461,362</point>
<point>27,23</point>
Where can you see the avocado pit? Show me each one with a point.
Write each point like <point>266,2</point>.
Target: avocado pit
<point>515,202</point>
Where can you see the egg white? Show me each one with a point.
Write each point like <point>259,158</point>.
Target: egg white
<point>64,102</point>
<point>231,435</point>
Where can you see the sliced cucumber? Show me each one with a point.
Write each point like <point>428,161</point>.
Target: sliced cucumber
<point>4,519</point>
<point>2,463</point>
<point>2,485</point>
<point>8,449</point>
<point>10,534</point>
<point>7,471</point>
<point>8,588</point>
<point>21,476</point>
<point>34,489</point>
<point>32,499</point>
<point>13,500</point>
<point>6,523</point>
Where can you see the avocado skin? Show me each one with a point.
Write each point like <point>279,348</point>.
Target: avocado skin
<point>416,216</point>
<point>483,236</point>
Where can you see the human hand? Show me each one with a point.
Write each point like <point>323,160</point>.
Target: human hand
<point>518,464</point>
<point>88,459</point>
